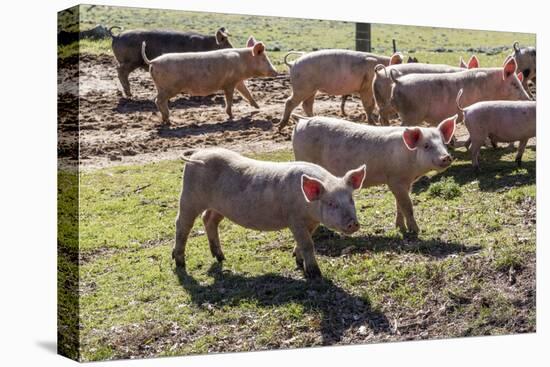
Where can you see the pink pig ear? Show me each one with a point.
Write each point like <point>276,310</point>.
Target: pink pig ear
<point>447,128</point>
<point>520,76</point>
<point>462,64</point>
<point>251,41</point>
<point>473,63</point>
<point>312,188</point>
<point>355,177</point>
<point>258,48</point>
<point>509,68</point>
<point>396,58</point>
<point>412,137</point>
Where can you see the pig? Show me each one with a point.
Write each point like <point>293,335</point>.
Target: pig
<point>410,60</point>
<point>396,156</point>
<point>500,121</point>
<point>526,57</point>
<point>265,196</point>
<point>431,97</point>
<point>204,73</point>
<point>127,47</point>
<point>335,72</point>
<point>382,83</point>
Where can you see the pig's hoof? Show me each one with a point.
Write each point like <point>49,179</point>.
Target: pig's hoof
<point>411,235</point>
<point>299,263</point>
<point>312,272</point>
<point>220,257</point>
<point>180,263</point>
<point>518,162</point>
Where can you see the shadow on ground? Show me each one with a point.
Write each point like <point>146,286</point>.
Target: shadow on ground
<point>332,244</point>
<point>339,309</point>
<point>241,124</point>
<point>495,174</point>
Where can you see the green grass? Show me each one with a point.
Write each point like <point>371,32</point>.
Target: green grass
<point>284,34</point>
<point>452,280</point>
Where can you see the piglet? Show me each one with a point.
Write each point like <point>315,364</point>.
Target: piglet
<point>204,73</point>
<point>500,121</point>
<point>396,156</point>
<point>265,196</point>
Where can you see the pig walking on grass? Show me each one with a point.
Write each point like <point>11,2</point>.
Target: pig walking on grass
<point>500,121</point>
<point>266,196</point>
<point>382,83</point>
<point>431,97</point>
<point>335,72</point>
<point>127,47</point>
<point>204,73</point>
<point>395,156</point>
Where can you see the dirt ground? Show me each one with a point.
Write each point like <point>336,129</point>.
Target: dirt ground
<point>115,130</point>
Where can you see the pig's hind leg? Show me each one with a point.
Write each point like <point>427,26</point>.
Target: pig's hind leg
<point>291,103</point>
<point>307,105</point>
<point>211,220</point>
<point>162,104</point>
<point>184,223</point>
<point>368,104</point>
<point>123,71</point>
<point>521,149</point>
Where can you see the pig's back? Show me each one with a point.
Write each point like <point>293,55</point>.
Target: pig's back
<point>419,68</point>
<point>502,116</point>
<point>235,185</point>
<point>127,45</point>
<point>340,145</point>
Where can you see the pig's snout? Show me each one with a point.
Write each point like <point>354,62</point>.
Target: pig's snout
<point>353,226</point>
<point>446,160</point>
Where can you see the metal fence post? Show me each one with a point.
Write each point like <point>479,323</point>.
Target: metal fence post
<point>362,37</point>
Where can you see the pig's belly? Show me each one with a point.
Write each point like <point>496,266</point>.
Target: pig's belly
<point>338,87</point>
<point>259,216</point>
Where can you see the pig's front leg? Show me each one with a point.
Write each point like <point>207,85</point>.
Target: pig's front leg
<point>304,251</point>
<point>243,90</point>
<point>229,100</point>
<point>401,193</point>
<point>399,218</point>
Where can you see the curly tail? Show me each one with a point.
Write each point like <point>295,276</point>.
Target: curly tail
<point>379,67</point>
<point>143,55</point>
<point>296,117</point>
<point>392,76</point>
<point>110,30</point>
<point>459,95</point>
<point>291,53</point>
<point>189,160</point>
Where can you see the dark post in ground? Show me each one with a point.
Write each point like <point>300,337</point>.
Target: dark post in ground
<point>362,37</point>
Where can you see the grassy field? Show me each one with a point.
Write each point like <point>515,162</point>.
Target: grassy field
<point>470,272</point>
<point>428,44</point>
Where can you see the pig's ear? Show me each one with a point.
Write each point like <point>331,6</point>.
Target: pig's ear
<point>396,58</point>
<point>312,188</point>
<point>520,76</point>
<point>509,68</point>
<point>258,48</point>
<point>447,128</point>
<point>251,42</point>
<point>473,63</point>
<point>411,137</point>
<point>355,177</point>
<point>462,64</point>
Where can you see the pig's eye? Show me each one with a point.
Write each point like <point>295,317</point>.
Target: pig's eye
<point>427,146</point>
<point>332,205</point>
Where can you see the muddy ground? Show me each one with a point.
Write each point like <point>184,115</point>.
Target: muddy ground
<point>116,130</point>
